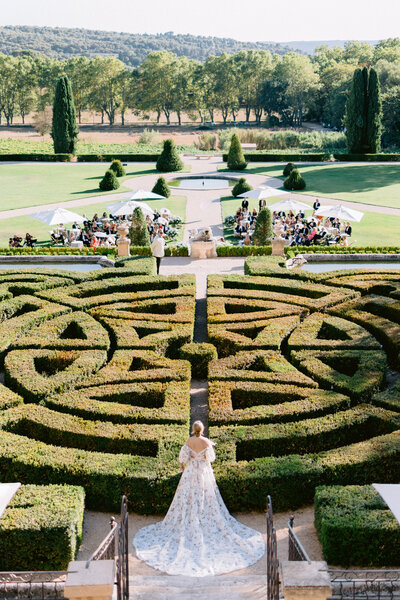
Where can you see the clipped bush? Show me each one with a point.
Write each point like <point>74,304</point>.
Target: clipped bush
<point>355,527</point>
<point>169,158</point>
<point>109,181</point>
<point>41,529</point>
<point>236,160</point>
<point>241,187</point>
<point>294,181</point>
<point>161,187</point>
<point>138,231</point>
<point>199,355</point>
<point>118,168</point>
<point>288,169</point>
<point>263,232</point>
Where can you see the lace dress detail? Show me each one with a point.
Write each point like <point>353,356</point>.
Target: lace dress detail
<point>198,536</point>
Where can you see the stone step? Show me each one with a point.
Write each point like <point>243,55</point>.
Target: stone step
<point>220,587</point>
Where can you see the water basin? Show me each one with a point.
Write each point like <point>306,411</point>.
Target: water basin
<point>324,267</point>
<point>202,183</point>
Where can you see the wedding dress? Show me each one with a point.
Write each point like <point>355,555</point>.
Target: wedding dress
<point>198,536</point>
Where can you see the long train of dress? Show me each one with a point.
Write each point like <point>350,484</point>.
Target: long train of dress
<point>198,536</point>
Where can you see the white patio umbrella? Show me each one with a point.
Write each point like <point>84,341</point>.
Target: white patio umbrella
<point>57,216</point>
<point>338,211</point>
<point>286,205</point>
<point>164,211</point>
<point>143,195</point>
<point>126,208</point>
<point>263,192</point>
<point>100,234</point>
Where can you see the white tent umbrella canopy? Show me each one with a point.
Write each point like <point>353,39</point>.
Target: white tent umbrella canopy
<point>262,192</point>
<point>286,205</point>
<point>127,208</point>
<point>143,195</point>
<point>390,493</point>
<point>340,212</point>
<point>57,216</point>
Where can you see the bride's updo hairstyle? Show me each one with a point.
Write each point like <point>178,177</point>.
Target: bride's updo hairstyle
<point>197,428</point>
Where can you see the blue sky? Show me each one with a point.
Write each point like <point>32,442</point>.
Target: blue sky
<point>251,20</point>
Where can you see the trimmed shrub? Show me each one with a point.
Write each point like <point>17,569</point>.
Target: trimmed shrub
<point>279,157</point>
<point>199,355</point>
<point>41,529</point>
<point>244,250</point>
<point>294,181</point>
<point>109,181</point>
<point>161,188</point>
<point>288,169</point>
<point>118,168</point>
<point>241,187</point>
<point>169,158</point>
<point>263,232</point>
<point>355,527</point>
<point>138,231</point>
<point>236,161</point>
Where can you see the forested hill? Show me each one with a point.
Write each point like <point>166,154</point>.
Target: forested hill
<point>131,48</point>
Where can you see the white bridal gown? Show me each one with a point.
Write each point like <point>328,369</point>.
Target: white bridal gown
<point>198,536</point>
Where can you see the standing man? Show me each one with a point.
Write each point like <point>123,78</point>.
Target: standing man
<point>245,204</point>
<point>316,204</point>
<point>158,248</point>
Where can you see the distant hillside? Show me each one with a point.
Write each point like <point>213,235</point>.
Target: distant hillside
<point>309,47</point>
<point>131,48</point>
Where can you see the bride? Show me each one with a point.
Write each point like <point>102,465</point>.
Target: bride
<point>198,536</point>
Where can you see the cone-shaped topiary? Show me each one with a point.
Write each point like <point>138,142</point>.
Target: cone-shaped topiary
<point>169,158</point>
<point>294,181</point>
<point>161,187</point>
<point>139,232</point>
<point>263,232</point>
<point>241,187</point>
<point>288,169</point>
<point>64,130</point>
<point>236,160</point>
<point>109,181</point>
<point>118,168</point>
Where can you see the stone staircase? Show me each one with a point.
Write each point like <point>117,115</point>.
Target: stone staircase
<point>222,587</point>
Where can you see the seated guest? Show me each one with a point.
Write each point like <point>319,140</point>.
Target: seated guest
<point>75,225</point>
<point>247,240</point>
<point>300,214</point>
<point>29,241</point>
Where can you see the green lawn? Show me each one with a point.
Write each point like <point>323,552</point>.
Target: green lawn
<point>25,185</point>
<point>22,225</point>
<point>370,184</point>
<point>374,229</point>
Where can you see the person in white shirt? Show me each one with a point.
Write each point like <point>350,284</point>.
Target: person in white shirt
<point>158,249</point>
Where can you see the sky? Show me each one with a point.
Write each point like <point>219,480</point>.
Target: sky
<point>247,20</point>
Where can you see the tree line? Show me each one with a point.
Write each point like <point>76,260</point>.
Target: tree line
<point>279,89</point>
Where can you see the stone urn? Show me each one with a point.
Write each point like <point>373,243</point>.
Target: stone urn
<point>123,241</point>
<point>278,242</point>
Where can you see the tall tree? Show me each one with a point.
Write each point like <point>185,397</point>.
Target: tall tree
<point>64,129</point>
<point>355,114</point>
<point>374,113</point>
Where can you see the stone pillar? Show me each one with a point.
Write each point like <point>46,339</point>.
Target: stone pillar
<point>278,245</point>
<point>123,241</point>
<point>302,580</point>
<point>95,582</point>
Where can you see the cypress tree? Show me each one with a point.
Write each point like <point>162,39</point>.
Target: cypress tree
<point>236,160</point>
<point>241,187</point>
<point>139,232</point>
<point>354,119</point>
<point>161,188</point>
<point>169,158</point>
<point>263,232</point>
<point>64,129</point>
<point>374,127</point>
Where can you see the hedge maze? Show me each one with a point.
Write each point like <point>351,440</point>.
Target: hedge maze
<point>306,387</point>
<point>95,392</point>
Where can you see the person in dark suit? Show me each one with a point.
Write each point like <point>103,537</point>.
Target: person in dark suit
<point>245,204</point>
<point>261,204</point>
<point>348,229</point>
<point>316,205</point>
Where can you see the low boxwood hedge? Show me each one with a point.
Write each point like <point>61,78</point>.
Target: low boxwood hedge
<point>282,157</point>
<point>379,157</point>
<point>106,157</point>
<point>42,157</point>
<point>253,402</point>
<point>152,402</point>
<point>231,310</point>
<point>174,309</point>
<point>223,250</point>
<point>355,527</point>
<point>291,251</point>
<point>41,529</point>
<point>357,373</point>
<point>199,356</point>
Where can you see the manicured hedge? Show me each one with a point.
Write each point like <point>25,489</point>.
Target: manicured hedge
<point>151,402</point>
<point>277,157</point>
<point>358,373</point>
<point>122,157</point>
<point>355,527</point>
<point>244,250</point>
<point>381,157</point>
<point>291,251</point>
<point>36,157</point>
<point>231,310</point>
<point>41,529</point>
<point>174,309</point>
<point>57,251</point>
<point>199,356</point>
<point>252,402</point>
